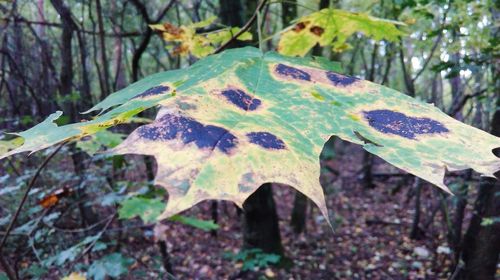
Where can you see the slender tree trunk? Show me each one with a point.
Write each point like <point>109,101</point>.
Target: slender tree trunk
<point>299,213</point>
<point>215,216</point>
<point>481,246</point>
<point>102,45</point>
<point>119,80</point>
<point>416,232</point>
<point>455,235</point>
<point>66,89</point>
<point>367,176</point>
<point>260,222</point>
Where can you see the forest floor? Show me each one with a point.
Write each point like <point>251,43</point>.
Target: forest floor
<point>370,239</point>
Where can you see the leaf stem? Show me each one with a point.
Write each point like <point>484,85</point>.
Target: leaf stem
<point>259,30</point>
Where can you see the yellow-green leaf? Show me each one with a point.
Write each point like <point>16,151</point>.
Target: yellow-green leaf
<point>242,118</point>
<point>332,27</point>
<point>186,40</point>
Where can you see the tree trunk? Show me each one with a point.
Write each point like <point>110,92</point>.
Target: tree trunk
<point>416,232</point>
<point>299,213</point>
<point>298,219</point>
<point>455,235</point>
<point>102,45</point>
<point>481,246</point>
<point>260,222</point>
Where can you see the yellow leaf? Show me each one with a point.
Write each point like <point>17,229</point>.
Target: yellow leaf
<point>74,276</point>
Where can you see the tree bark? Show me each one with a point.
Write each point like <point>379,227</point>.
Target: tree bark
<point>481,246</point>
<point>260,222</point>
<point>416,232</point>
<point>482,243</point>
<point>102,43</point>
<point>299,213</point>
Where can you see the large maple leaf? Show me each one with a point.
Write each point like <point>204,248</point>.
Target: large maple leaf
<point>236,120</point>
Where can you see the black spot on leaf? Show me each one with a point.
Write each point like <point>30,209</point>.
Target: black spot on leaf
<point>266,140</point>
<point>152,91</point>
<point>188,130</point>
<point>292,72</point>
<point>340,80</point>
<point>391,122</point>
<point>317,30</point>
<point>300,26</point>
<point>241,99</point>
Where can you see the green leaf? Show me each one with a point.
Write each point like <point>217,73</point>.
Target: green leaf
<point>147,209</point>
<point>253,258</point>
<point>241,118</point>
<point>112,265</point>
<point>102,139</point>
<point>332,27</point>
<point>8,145</point>
<point>488,221</point>
<point>35,271</point>
<point>196,223</point>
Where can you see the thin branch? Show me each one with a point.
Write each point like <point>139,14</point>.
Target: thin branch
<point>136,57</point>
<point>92,244</point>
<point>25,196</point>
<point>387,65</point>
<point>454,110</point>
<point>434,47</point>
<point>410,87</point>
<point>164,11</point>
<point>243,29</point>
<point>11,274</point>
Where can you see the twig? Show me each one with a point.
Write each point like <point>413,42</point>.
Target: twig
<point>243,29</point>
<point>92,244</point>
<point>25,196</point>
<point>21,204</point>
<point>8,269</point>
<point>434,47</point>
<point>80,230</point>
<point>454,110</point>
